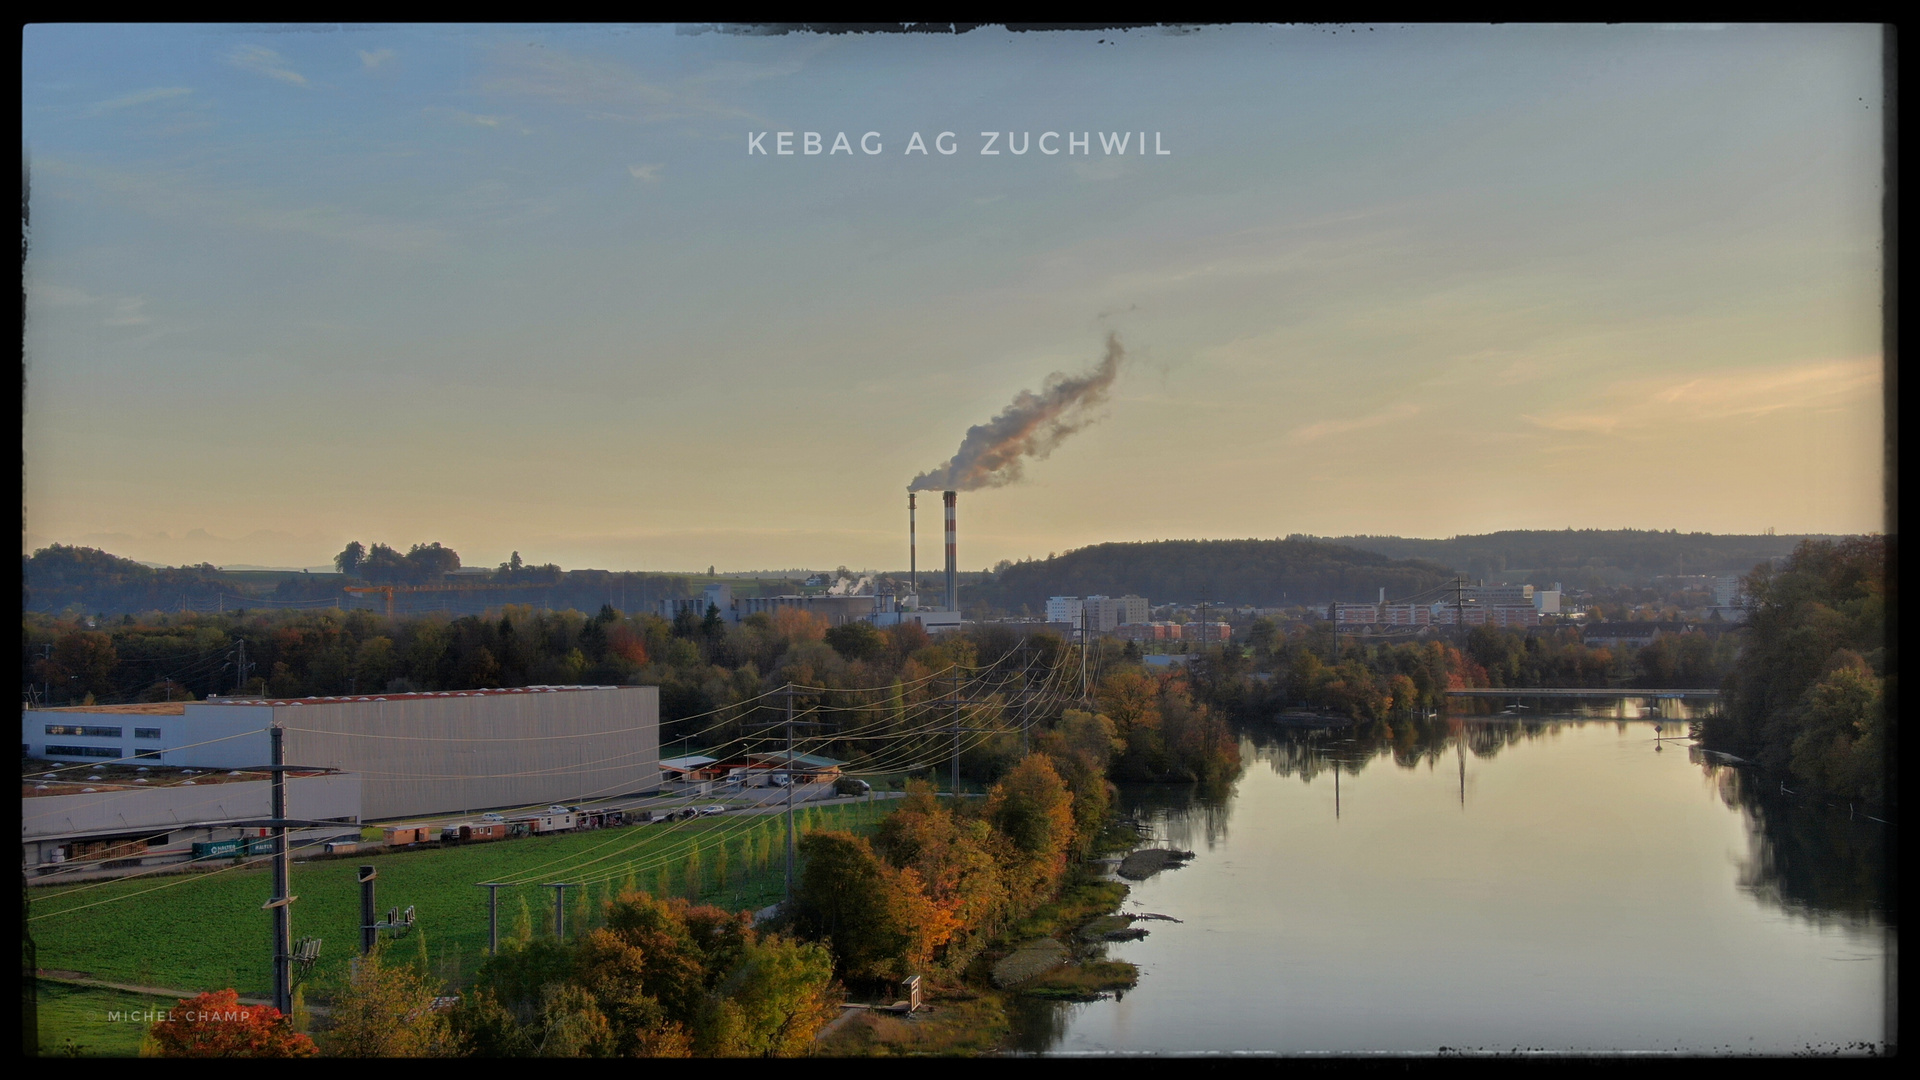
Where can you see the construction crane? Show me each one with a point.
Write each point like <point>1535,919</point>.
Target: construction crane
<point>391,589</point>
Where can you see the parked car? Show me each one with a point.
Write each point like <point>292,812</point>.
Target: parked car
<point>493,817</point>
<point>561,809</point>
<point>716,808</point>
<point>848,785</point>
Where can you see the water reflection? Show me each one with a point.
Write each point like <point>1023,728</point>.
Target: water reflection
<point>1187,816</point>
<point>1589,835</point>
<point>1805,857</point>
<point>1811,860</point>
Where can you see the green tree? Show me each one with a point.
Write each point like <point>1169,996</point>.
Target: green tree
<point>82,663</point>
<point>350,558</point>
<point>1803,694</point>
<point>872,915</point>
<point>386,1010</point>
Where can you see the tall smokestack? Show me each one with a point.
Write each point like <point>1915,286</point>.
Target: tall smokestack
<point>953,563</point>
<point>913,552</point>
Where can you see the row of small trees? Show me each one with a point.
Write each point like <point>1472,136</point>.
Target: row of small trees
<point>659,978</point>
<point>941,878</point>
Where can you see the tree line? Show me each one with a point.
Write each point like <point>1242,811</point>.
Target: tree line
<point>1808,695</point>
<point>1263,573</point>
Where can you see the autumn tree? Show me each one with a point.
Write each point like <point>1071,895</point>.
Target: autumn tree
<point>217,1025</point>
<point>386,1010</point>
<point>872,914</point>
<point>82,663</point>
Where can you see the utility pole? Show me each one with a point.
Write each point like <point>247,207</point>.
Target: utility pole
<point>559,908</point>
<point>789,723</point>
<point>281,902</point>
<point>1336,633</point>
<point>493,916</point>
<point>789,774</point>
<point>1083,651</point>
<point>956,701</point>
<point>369,933</point>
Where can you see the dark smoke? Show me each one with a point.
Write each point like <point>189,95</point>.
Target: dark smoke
<point>994,453</point>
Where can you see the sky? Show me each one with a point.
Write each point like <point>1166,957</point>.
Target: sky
<point>535,289</point>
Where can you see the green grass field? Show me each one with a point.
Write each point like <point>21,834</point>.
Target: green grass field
<point>97,1023</point>
<point>207,931</point>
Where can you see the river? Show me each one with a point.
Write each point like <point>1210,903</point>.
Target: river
<point>1493,886</point>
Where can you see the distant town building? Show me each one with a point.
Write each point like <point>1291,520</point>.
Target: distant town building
<point>1445,613</point>
<point>1729,597</point>
<point>718,596</point>
<point>1102,613</point>
<point>1547,601</point>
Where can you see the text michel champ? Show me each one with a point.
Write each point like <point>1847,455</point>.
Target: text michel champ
<point>1049,142</point>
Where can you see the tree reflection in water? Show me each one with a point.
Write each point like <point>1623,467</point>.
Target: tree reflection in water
<point>1810,860</point>
<point>1814,861</point>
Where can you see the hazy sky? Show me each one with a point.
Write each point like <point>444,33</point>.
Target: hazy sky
<point>529,289</point>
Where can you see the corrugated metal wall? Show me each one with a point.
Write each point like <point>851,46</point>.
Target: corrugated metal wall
<point>453,754</point>
<point>173,806</point>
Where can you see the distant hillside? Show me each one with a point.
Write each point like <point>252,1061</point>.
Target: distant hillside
<point>61,579</point>
<point>1264,573</point>
<point>1583,558</point>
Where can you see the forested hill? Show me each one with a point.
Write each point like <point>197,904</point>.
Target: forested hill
<point>1583,558</point>
<point>1264,573</point>
<point>61,579</point>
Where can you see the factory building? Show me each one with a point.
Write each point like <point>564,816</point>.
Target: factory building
<point>423,753</point>
<point>1102,613</point>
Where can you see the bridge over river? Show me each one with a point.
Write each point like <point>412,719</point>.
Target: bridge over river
<point>1584,692</point>
<point>1710,699</point>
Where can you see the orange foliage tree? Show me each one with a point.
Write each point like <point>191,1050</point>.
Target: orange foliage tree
<point>215,1025</point>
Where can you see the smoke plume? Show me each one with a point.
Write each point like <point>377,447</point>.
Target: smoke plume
<point>994,453</point>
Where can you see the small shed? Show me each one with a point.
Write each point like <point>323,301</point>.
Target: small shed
<point>694,768</point>
<point>807,768</point>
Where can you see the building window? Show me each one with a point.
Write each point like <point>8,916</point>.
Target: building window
<point>146,733</point>
<point>83,751</point>
<point>151,754</point>
<point>82,729</point>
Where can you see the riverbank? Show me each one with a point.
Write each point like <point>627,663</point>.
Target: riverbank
<point>1056,952</point>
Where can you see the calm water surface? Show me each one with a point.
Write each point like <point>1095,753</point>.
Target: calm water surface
<point>1490,886</point>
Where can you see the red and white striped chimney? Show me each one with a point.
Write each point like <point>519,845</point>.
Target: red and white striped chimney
<point>953,562</point>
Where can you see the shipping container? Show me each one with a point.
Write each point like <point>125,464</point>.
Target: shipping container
<point>405,835</point>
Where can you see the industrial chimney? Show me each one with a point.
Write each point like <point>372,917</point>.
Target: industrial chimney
<point>913,553</point>
<point>953,564</point>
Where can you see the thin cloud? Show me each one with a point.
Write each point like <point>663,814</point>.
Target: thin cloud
<point>1642,403</point>
<point>158,93</point>
<point>1315,432</point>
<point>128,312</point>
<point>649,173</point>
<point>263,61</point>
<point>619,92</point>
<point>371,60</point>
<point>166,195</point>
<point>468,119</point>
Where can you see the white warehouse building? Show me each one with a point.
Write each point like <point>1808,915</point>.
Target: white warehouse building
<point>425,753</point>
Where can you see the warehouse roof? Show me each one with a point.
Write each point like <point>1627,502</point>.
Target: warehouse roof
<point>490,692</point>
<point>141,708</point>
